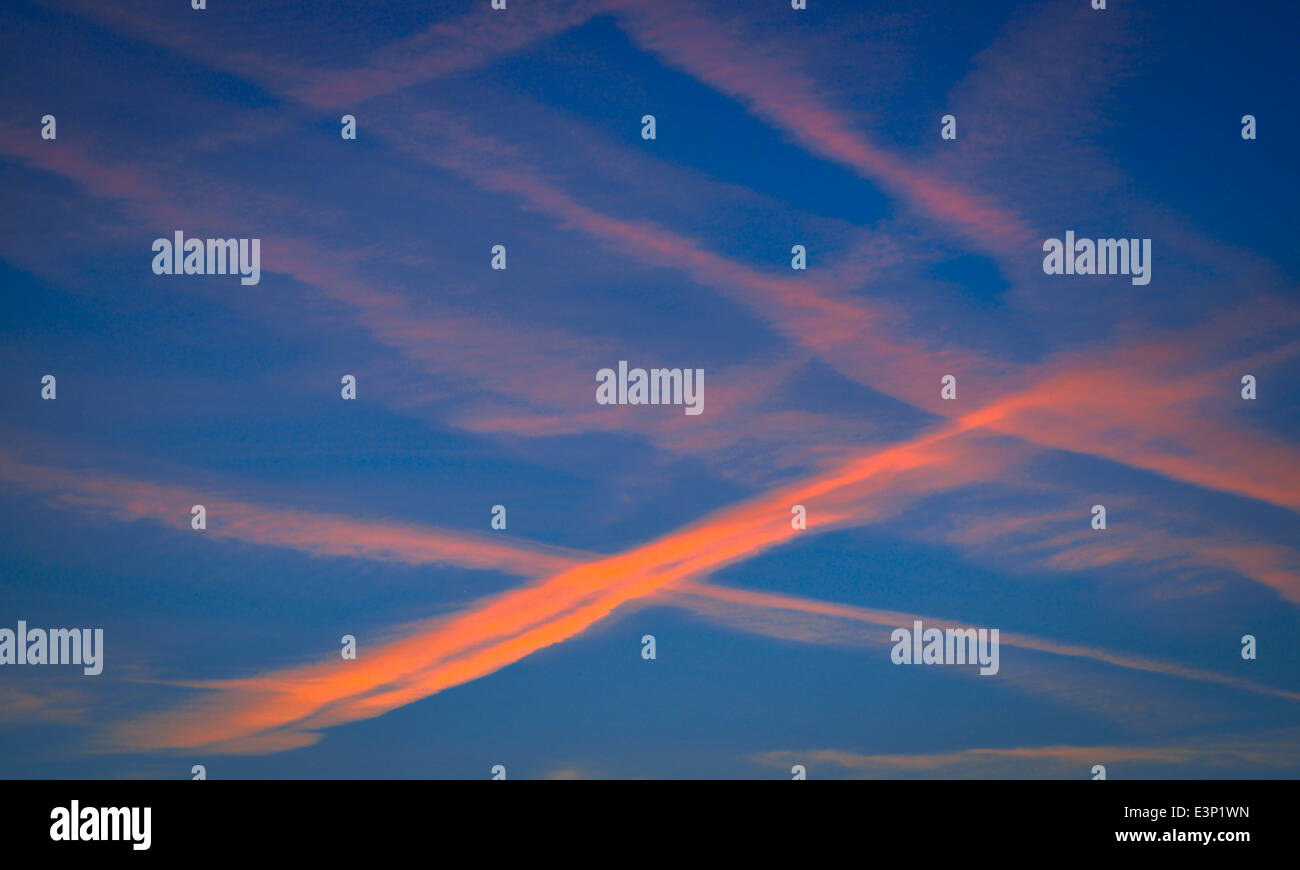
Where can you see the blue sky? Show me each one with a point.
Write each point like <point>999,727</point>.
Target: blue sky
<point>475,387</point>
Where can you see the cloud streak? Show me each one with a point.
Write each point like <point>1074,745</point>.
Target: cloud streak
<point>316,534</point>
<point>756,611</point>
<point>1268,751</point>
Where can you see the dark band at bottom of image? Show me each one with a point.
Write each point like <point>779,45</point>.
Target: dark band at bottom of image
<point>336,817</point>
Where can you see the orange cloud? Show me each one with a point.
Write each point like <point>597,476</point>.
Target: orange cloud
<point>284,709</point>
<point>451,650</point>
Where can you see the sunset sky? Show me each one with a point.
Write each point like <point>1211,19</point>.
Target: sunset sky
<point>476,387</point>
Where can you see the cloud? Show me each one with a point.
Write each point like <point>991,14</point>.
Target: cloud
<point>317,534</point>
<point>770,84</point>
<point>1193,759</point>
<point>51,705</point>
<point>758,611</point>
<point>443,653</point>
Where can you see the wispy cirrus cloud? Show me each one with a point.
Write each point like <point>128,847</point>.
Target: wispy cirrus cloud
<point>765,78</point>
<point>316,534</point>
<point>442,47</point>
<point>49,705</point>
<point>759,612</point>
<point>862,342</point>
<point>1266,751</point>
<point>1161,390</point>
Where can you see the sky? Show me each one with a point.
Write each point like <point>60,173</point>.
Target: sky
<point>527,646</point>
